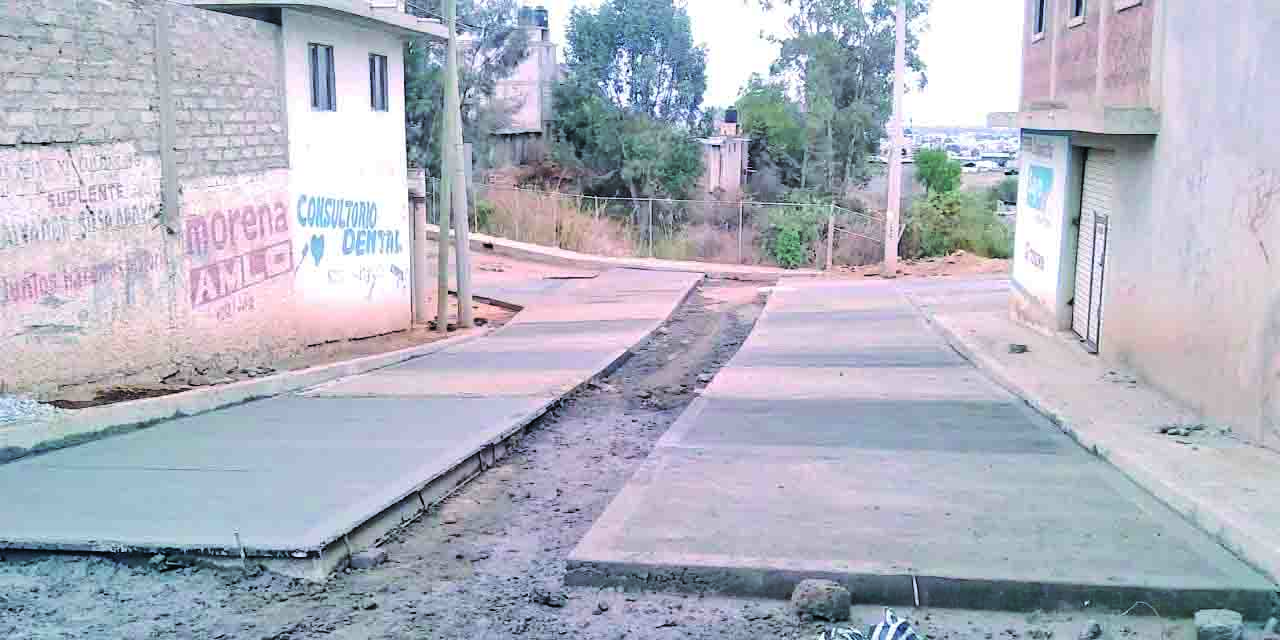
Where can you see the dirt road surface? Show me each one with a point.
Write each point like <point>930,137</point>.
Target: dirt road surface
<point>489,562</point>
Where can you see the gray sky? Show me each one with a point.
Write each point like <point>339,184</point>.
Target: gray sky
<point>972,51</point>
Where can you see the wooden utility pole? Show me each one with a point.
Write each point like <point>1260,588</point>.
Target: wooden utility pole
<point>893,213</point>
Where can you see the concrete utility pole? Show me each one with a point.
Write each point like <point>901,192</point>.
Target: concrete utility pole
<point>461,221</point>
<point>444,200</point>
<point>893,214</point>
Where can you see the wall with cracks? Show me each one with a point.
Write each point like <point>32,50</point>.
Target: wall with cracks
<point>147,217</point>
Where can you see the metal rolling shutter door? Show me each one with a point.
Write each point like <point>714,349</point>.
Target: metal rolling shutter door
<point>1095,205</point>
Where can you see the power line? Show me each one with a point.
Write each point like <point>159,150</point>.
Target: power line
<point>409,4</point>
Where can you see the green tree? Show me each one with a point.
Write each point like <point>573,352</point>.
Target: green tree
<point>937,172</point>
<point>493,47</point>
<point>641,156</point>
<point>641,57</point>
<point>840,53</point>
<point>775,124</point>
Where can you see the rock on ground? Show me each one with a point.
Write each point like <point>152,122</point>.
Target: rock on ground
<point>821,599</point>
<point>1092,631</point>
<point>1219,624</point>
<point>368,559</point>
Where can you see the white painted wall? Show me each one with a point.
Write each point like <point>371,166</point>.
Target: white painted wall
<point>352,273</point>
<point>1043,241</point>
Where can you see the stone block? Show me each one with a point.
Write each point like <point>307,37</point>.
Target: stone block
<point>368,559</point>
<point>1219,624</point>
<point>823,600</point>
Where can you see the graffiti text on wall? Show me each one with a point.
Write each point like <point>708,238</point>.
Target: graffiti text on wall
<point>55,194</point>
<point>248,245</point>
<point>37,286</point>
<point>356,218</point>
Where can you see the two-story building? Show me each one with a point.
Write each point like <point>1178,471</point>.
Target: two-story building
<point>1149,203</point>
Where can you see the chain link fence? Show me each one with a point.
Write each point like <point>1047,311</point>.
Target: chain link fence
<point>792,235</point>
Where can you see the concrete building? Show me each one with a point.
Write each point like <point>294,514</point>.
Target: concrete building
<point>724,160</point>
<point>205,183</point>
<point>1149,204</point>
<point>529,91</point>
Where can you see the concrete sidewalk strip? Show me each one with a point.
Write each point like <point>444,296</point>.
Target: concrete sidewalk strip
<point>552,255</point>
<point>1226,487</point>
<point>299,481</point>
<point>68,428</point>
<point>902,472</point>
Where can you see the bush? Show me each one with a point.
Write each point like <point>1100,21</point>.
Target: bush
<point>791,234</point>
<point>942,223</point>
<point>484,211</point>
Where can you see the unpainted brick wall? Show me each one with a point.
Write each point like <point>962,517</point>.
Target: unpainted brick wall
<point>78,72</point>
<point>228,89</point>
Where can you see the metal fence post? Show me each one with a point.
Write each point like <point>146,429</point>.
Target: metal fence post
<point>831,234</point>
<point>740,206</point>
<point>650,227</point>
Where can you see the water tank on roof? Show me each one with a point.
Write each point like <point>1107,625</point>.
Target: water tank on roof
<point>541,17</point>
<point>731,115</point>
<point>526,16</point>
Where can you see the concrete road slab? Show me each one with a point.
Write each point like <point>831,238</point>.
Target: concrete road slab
<point>847,440</point>
<point>294,474</point>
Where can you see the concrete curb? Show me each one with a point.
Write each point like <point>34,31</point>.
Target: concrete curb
<point>73,427</point>
<point>1255,552</point>
<point>562,257</point>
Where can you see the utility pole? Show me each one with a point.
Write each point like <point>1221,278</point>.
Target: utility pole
<point>461,222</point>
<point>894,213</point>
<point>444,201</point>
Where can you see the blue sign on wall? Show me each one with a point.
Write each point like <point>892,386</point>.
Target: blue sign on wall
<point>1039,185</point>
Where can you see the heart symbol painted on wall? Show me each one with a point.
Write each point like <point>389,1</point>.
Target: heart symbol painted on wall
<point>317,248</point>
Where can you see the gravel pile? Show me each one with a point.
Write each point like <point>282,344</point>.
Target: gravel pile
<point>18,409</point>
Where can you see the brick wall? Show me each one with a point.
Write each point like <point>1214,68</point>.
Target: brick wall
<point>119,265</point>
<point>228,90</point>
<point>78,72</point>
<point>92,285</point>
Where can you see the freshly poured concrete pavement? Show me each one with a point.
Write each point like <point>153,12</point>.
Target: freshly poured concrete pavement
<point>295,474</point>
<point>847,440</point>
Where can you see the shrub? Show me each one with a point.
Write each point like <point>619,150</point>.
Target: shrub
<point>942,223</point>
<point>791,234</point>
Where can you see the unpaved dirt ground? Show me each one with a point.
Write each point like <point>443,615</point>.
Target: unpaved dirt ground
<point>474,568</point>
<point>961,263</point>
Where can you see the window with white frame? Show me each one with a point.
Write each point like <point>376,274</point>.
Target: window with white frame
<point>1077,9</point>
<point>323,93</point>
<point>378,82</point>
<point>1038,19</point>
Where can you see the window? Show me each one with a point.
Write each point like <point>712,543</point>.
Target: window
<point>378,82</point>
<point>322,81</point>
<point>1038,18</point>
<point>1077,8</point>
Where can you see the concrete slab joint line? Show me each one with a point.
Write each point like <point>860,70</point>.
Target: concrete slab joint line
<point>267,465</point>
<point>1237,525</point>
<point>776,474</point>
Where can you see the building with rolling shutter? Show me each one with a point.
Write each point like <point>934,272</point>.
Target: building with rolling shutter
<point>1149,204</point>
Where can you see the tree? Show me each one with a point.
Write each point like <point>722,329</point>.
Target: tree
<point>493,47</point>
<point>621,151</point>
<point>629,107</point>
<point>640,55</point>
<point>839,56</point>
<point>937,172</point>
<point>775,124</point>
